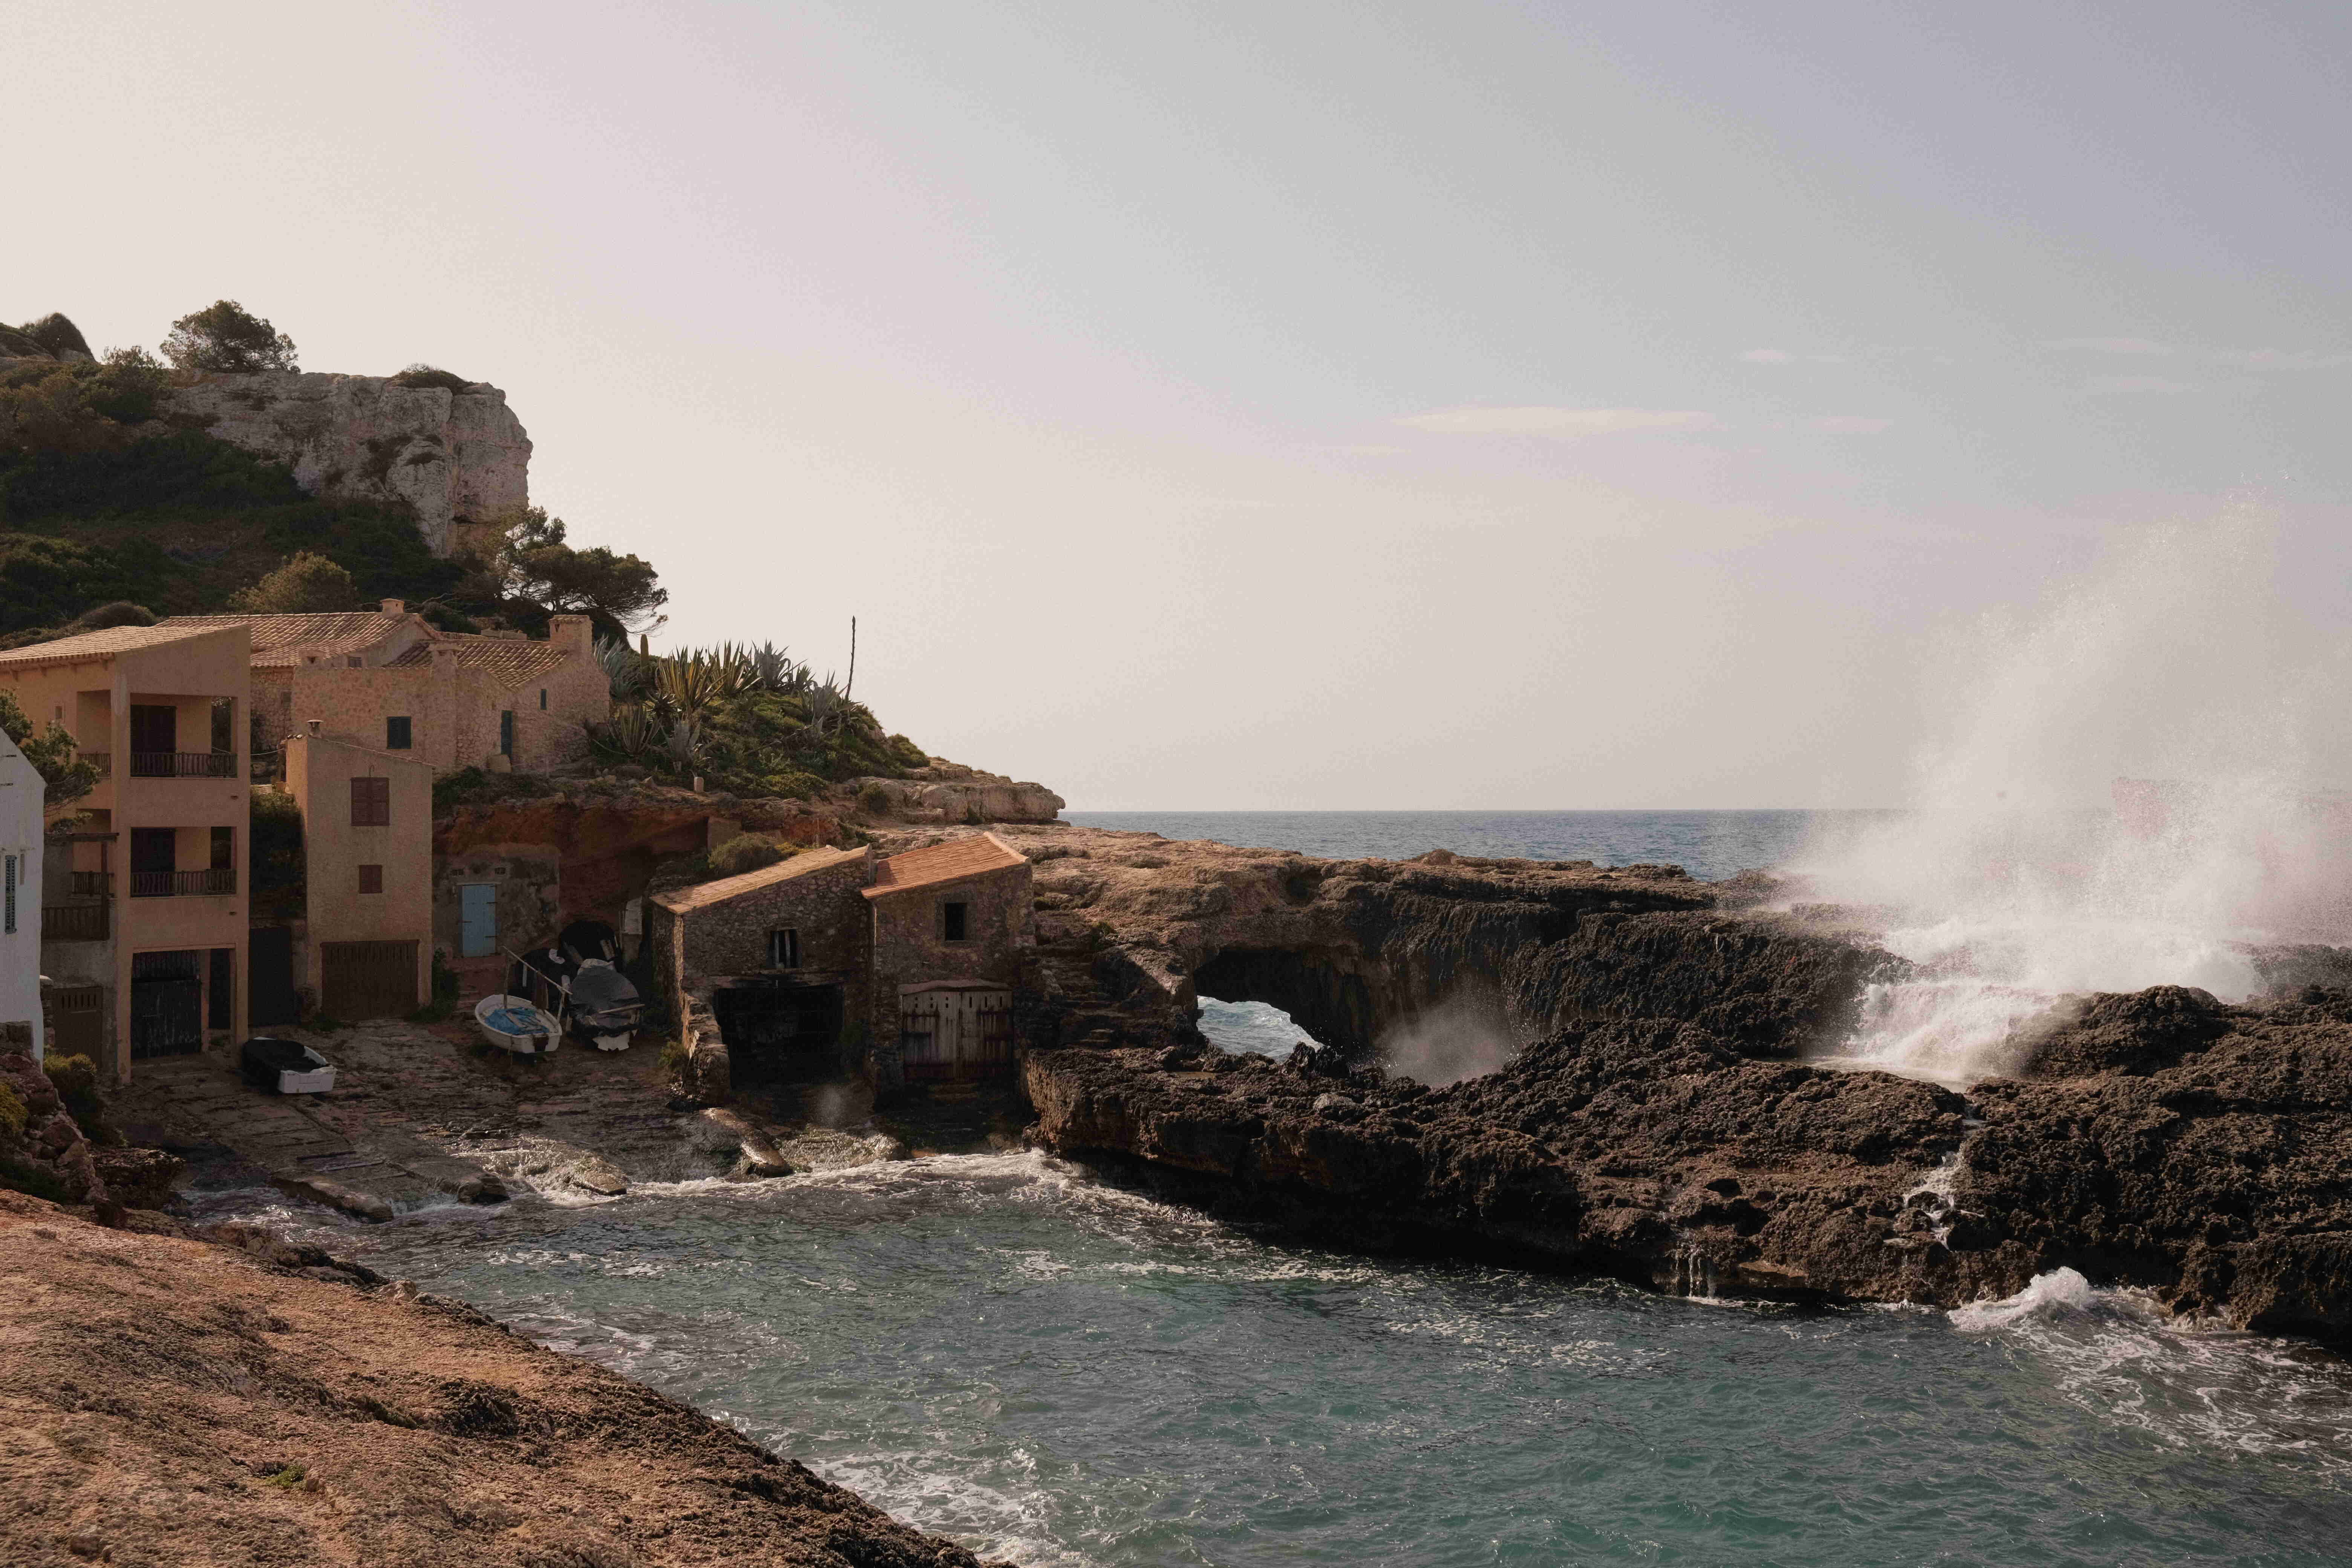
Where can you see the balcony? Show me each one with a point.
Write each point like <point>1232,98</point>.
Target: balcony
<point>183,884</point>
<point>75,923</point>
<point>182,764</point>
<point>93,884</point>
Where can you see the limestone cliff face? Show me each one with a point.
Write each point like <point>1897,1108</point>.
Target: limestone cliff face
<point>454,457</point>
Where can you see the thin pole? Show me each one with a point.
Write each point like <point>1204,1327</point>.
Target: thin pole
<point>851,686</point>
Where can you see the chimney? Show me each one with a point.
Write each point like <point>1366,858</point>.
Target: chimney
<point>395,606</point>
<point>575,632</point>
<point>313,724</point>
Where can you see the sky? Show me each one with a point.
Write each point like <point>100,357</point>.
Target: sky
<point>1312,405</point>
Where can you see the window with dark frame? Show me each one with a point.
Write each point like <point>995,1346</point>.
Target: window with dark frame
<point>223,848</point>
<point>784,948</point>
<point>10,918</point>
<point>370,879</point>
<point>396,736</point>
<point>955,920</point>
<point>543,697</point>
<point>371,803</point>
<point>505,732</point>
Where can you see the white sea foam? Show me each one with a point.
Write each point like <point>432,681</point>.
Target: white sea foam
<point>2118,1355</point>
<point>2130,792</point>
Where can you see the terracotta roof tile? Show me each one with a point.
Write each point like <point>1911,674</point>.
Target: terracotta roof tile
<point>683,900</point>
<point>509,659</point>
<point>103,643</point>
<point>281,641</point>
<point>952,861</point>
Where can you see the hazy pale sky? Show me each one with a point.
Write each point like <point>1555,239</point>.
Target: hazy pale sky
<point>1298,405</point>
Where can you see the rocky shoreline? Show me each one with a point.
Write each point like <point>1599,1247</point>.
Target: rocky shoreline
<point>172,1399</point>
<point>1660,1130</point>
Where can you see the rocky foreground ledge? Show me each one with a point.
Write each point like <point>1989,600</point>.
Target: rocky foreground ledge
<point>2159,1140</point>
<point>166,1400</point>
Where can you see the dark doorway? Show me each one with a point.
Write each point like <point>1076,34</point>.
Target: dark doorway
<point>779,1033</point>
<point>78,1015</point>
<point>154,857</point>
<point>167,1003</point>
<point>269,968</point>
<point>154,727</point>
<point>220,990</point>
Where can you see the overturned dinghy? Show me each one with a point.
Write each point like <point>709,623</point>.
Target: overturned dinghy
<point>605,1007</point>
<point>512,1024</point>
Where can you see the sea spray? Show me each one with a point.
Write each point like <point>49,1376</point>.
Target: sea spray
<point>2124,797</point>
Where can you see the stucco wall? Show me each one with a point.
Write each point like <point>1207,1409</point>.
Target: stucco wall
<point>20,837</point>
<point>319,773</point>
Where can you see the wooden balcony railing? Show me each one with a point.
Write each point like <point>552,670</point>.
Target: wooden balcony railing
<point>74,922</point>
<point>182,884</point>
<point>93,884</point>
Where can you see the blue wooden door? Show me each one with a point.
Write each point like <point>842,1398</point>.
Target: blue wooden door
<point>478,923</point>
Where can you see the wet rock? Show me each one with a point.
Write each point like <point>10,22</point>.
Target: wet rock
<point>335,1195</point>
<point>139,1178</point>
<point>760,1155</point>
<point>2141,1032</point>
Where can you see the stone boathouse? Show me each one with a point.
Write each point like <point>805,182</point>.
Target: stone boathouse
<point>899,968</point>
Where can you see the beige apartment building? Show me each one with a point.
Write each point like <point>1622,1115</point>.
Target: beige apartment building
<point>367,852</point>
<point>143,899</point>
<point>391,679</point>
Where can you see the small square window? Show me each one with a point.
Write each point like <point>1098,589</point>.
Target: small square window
<point>784,948</point>
<point>396,736</point>
<point>370,879</point>
<point>955,921</point>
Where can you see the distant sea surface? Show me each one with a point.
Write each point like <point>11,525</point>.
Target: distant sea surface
<point>1709,844</point>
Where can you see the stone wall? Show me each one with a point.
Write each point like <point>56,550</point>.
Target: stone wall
<point>528,878</point>
<point>910,949</point>
<point>731,937</point>
<point>456,457</point>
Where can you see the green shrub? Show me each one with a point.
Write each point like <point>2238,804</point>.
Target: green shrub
<point>275,840</point>
<point>874,800</point>
<point>431,375</point>
<point>744,852</point>
<point>225,336</point>
<point>14,1112</point>
<point>74,1079</point>
<point>309,584</point>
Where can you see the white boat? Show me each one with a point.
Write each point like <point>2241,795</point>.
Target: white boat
<point>511,1022</point>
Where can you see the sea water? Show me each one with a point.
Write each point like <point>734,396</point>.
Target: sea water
<point>1003,1350</point>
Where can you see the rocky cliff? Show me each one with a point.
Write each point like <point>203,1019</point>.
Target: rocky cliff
<point>1654,1126</point>
<point>1134,927</point>
<point>456,456</point>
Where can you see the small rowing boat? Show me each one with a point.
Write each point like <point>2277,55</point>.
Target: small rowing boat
<point>512,1024</point>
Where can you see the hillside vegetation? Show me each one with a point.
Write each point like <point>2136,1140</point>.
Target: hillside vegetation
<point>112,513</point>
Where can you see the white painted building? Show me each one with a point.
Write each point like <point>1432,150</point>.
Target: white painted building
<point>22,795</point>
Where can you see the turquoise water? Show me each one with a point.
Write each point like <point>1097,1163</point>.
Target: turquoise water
<point>997,1348</point>
<point>1706,843</point>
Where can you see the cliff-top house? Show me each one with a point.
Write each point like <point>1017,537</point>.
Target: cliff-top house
<point>388,678</point>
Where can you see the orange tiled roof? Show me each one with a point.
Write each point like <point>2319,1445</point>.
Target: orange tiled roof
<point>104,643</point>
<point>682,899</point>
<point>952,861</point>
<point>283,640</point>
<point>512,660</point>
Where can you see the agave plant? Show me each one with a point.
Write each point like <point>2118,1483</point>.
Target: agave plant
<point>628,673</point>
<point>774,670</point>
<point>824,705</point>
<point>682,746</point>
<point>689,684</point>
<point>630,735</point>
